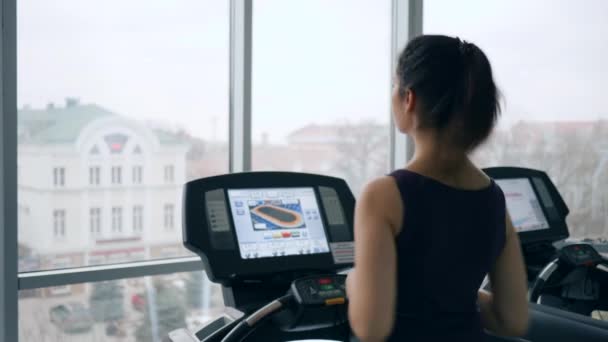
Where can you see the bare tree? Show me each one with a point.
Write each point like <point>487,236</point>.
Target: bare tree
<point>568,152</point>
<point>362,152</point>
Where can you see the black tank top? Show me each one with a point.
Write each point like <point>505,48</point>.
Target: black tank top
<point>449,241</point>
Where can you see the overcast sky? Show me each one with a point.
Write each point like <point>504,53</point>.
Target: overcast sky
<point>315,61</point>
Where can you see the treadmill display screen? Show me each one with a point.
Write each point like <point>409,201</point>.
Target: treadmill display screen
<point>524,208</point>
<point>277,222</point>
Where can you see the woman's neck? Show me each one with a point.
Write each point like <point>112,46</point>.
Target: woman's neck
<point>432,152</point>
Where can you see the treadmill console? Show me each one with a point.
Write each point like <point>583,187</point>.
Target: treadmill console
<point>537,210</point>
<point>320,290</point>
<point>580,254</point>
<point>250,225</point>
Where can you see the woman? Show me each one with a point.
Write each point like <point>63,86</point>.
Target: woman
<point>427,235</point>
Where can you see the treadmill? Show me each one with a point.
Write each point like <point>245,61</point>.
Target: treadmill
<point>539,213</point>
<point>277,243</point>
<point>280,243</point>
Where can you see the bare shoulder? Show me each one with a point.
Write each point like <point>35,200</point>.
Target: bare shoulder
<point>479,178</point>
<point>381,188</point>
<point>482,175</point>
<point>380,197</point>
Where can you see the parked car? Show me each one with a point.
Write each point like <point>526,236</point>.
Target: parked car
<point>107,301</point>
<point>71,317</point>
<point>115,328</point>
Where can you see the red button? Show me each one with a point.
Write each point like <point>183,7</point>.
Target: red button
<point>286,234</point>
<point>324,281</point>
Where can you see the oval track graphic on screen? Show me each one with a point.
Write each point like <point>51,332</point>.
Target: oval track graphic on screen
<point>281,217</point>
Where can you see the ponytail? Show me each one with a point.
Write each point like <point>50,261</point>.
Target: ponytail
<point>454,84</point>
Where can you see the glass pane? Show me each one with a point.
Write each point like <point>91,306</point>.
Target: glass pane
<point>120,103</point>
<point>321,87</point>
<point>124,310</point>
<point>550,66</point>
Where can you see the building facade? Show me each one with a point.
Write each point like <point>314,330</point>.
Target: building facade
<point>96,187</point>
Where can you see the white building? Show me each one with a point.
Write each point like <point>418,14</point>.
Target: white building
<point>96,187</point>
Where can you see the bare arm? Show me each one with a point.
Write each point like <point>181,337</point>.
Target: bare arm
<point>505,310</point>
<point>371,286</point>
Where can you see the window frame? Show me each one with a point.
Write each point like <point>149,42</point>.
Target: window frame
<point>59,176</point>
<point>116,227</point>
<point>169,217</point>
<point>116,175</point>
<point>9,305</point>
<point>59,224</point>
<point>169,173</point>
<point>138,219</point>
<point>95,222</point>
<point>406,21</point>
<point>137,174</point>
<point>94,175</point>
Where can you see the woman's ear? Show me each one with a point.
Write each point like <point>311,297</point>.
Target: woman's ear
<point>409,101</point>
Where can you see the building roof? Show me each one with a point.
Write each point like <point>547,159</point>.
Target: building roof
<point>168,138</point>
<point>63,125</point>
<point>57,124</point>
<point>331,134</point>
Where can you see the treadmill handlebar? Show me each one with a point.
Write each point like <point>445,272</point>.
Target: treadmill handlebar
<point>249,323</point>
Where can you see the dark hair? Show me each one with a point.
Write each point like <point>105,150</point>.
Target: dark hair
<point>452,80</point>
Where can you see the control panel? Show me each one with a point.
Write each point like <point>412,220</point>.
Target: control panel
<point>536,208</point>
<point>245,226</point>
<point>580,254</point>
<point>274,222</point>
<point>320,290</point>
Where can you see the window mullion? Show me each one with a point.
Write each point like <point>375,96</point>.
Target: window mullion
<point>42,279</point>
<point>8,174</point>
<point>241,17</point>
<point>406,24</point>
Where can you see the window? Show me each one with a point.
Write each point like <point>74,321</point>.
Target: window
<point>553,121</point>
<point>138,219</point>
<point>93,56</point>
<point>94,175</point>
<point>109,123</point>
<point>186,300</point>
<point>116,175</point>
<point>168,216</point>
<point>59,176</point>
<point>332,115</point>
<point>137,174</point>
<point>116,220</point>
<point>59,223</point>
<point>169,174</point>
<point>95,221</point>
